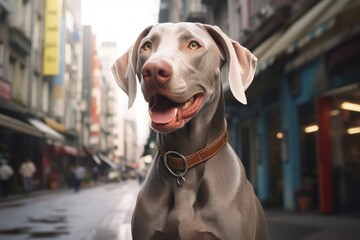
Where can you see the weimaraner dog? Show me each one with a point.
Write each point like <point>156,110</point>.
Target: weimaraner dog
<point>196,188</point>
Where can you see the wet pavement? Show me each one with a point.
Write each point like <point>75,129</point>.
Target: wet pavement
<point>90,219</point>
<point>96,213</point>
<point>287,225</point>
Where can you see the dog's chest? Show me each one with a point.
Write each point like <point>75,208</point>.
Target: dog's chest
<point>186,215</point>
<point>187,225</point>
<point>188,236</point>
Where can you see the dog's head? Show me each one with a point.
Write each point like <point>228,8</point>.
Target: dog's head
<point>178,66</point>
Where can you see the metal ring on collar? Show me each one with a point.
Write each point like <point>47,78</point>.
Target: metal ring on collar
<point>178,175</point>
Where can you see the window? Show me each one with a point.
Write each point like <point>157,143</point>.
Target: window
<point>68,54</point>
<point>2,56</point>
<point>345,136</point>
<point>26,19</point>
<point>23,84</point>
<point>45,96</point>
<point>36,94</point>
<point>11,70</point>
<point>36,34</point>
<point>69,21</point>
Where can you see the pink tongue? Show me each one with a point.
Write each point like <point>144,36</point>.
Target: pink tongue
<point>162,117</point>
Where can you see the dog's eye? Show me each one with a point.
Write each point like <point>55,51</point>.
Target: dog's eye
<point>147,46</point>
<point>194,45</point>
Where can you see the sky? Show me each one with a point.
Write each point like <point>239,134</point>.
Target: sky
<point>121,21</point>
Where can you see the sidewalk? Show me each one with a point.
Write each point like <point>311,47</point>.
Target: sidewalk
<point>38,193</point>
<point>284,225</point>
<point>14,198</point>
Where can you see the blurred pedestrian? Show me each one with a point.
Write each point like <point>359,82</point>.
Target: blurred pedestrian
<point>5,177</point>
<point>27,170</point>
<point>79,174</point>
<point>70,177</point>
<point>141,177</point>
<point>95,174</point>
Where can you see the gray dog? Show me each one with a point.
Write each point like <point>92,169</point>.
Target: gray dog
<point>196,188</point>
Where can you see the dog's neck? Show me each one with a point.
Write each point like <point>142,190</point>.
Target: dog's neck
<point>197,133</point>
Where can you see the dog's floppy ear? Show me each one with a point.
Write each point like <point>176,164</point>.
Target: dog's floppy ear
<point>124,68</point>
<point>241,62</point>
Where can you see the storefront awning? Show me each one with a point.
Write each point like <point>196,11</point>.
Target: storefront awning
<point>47,131</point>
<point>99,158</point>
<point>19,126</point>
<point>107,160</point>
<point>260,51</point>
<point>96,159</point>
<point>61,149</point>
<point>55,125</point>
<point>318,20</point>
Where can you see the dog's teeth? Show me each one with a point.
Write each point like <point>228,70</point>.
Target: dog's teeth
<point>175,114</point>
<point>188,103</point>
<point>152,103</point>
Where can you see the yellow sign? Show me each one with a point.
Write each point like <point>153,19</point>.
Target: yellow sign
<point>55,125</point>
<point>52,37</point>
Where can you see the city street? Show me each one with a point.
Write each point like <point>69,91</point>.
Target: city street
<point>88,89</point>
<point>104,212</point>
<point>289,225</point>
<point>95,213</point>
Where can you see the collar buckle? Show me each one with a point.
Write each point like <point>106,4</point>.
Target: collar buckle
<point>180,176</point>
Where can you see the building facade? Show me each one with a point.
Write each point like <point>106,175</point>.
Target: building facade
<point>43,98</point>
<point>112,127</point>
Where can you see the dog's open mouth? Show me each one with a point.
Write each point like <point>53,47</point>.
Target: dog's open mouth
<point>164,111</point>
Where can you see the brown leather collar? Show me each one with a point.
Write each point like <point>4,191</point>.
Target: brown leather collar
<point>176,162</point>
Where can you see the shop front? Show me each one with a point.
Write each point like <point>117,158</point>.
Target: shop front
<point>18,141</point>
<point>23,137</point>
<point>339,162</point>
<point>325,136</point>
<point>345,131</point>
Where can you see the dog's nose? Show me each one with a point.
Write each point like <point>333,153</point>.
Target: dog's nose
<point>157,71</point>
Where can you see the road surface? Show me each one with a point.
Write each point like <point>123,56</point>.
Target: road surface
<point>95,213</point>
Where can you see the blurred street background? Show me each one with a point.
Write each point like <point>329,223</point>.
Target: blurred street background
<point>298,137</point>
<point>103,212</point>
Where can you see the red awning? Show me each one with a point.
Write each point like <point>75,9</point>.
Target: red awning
<point>68,150</point>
